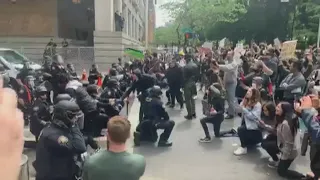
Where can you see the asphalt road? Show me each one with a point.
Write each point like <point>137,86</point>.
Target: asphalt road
<point>188,159</point>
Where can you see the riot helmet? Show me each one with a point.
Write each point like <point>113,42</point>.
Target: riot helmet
<point>112,83</point>
<point>29,81</point>
<point>137,73</point>
<point>67,112</point>
<point>62,97</point>
<point>41,92</point>
<point>155,91</point>
<point>93,90</point>
<point>113,72</point>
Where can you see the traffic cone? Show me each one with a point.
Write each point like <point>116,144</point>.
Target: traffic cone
<point>84,75</point>
<point>99,82</point>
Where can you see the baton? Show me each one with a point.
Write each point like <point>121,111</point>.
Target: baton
<point>127,104</point>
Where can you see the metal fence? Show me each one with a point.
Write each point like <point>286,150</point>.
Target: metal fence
<point>80,57</point>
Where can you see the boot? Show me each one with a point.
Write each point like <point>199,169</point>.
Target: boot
<point>136,138</point>
<point>164,143</point>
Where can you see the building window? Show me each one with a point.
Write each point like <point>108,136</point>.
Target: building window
<point>76,1</point>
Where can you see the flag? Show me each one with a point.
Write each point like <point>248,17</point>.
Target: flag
<point>99,83</point>
<point>133,53</point>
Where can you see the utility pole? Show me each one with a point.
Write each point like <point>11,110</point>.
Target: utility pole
<point>318,41</point>
<point>147,24</point>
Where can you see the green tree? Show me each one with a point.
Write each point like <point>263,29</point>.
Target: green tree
<point>168,34</point>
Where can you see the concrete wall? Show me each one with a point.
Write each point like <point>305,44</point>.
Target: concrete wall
<point>28,18</point>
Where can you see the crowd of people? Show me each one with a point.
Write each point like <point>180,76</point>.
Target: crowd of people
<point>274,97</point>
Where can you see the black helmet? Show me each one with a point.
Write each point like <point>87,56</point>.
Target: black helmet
<point>112,82</point>
<point>113,72</point>
<point>155,91</point>
<point>92,89</point>
<point>62,97</point>
<point>137,72</point>
<point>66,111</point>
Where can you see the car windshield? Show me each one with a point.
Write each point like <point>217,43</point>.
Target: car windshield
<point>12,56</point>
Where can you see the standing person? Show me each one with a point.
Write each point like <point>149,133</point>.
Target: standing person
<point>190,73</point>
<point>230,81</point>
<point>294,84</point>
<point>175,78</point>
<point>115,163</point>
<point>60,144</point>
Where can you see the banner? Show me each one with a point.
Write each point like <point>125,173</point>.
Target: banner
<point>207,45</point>
<point>288,49</point>
<point>222,43</point>
<point>277,42</point>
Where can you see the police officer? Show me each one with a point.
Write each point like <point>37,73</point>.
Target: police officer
<point>41,115</point>
<point>56,69</point>
<point>24,72</point>
<point>142,83</point>
<point>93,74</point>
<point>111,91</point>
<point>60,144</point>
<point>93,91</point>
<point>190,73</point>
<point>87,104</point>
<point>26,97</point>
<point>155,112</point>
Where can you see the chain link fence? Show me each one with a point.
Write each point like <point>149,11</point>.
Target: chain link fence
<point>80,57</point>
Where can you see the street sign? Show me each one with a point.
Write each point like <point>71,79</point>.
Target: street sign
<point>187,30</point>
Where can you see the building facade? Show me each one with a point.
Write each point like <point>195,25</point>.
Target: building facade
<point>86,20</point>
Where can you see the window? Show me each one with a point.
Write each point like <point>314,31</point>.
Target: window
<point>76,1</point>
<point>12,56</point>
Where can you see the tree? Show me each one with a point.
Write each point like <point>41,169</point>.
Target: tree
<point>168,34</point>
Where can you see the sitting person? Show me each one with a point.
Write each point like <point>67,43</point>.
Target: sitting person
<point>249,132</point>
<point>287,129</point>
<point>214,112</point>
<point>115,163</point>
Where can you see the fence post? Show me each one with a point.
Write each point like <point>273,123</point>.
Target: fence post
<point>79,54</point>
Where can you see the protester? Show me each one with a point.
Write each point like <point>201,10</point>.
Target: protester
<point>115,163</point>
<point>249,133</point>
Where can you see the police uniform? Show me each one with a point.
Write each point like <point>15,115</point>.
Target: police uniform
<point>190,72</point>
<point>155,113</point>
<point>26,94</point>
<point>142,84</point>
<point>40,117</point>
<point>60,144</point>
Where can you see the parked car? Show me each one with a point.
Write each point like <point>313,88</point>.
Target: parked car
<point>16,59</point>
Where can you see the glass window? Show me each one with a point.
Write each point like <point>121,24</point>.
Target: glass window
<point>12,57</point>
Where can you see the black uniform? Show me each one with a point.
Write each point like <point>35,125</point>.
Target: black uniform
<point>40,117</point>
<point>155,117</point>
<point>142,84</point>
<point>175,81</point>
<point>60,145</point>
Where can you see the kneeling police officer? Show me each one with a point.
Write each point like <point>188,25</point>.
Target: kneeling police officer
<point>155,113</point>
<point>60,145</point>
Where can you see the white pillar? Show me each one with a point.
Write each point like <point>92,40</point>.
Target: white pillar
<point>126,20</point>
<point>133,26</point>
<point>104,15</point>
<point>119,6</point>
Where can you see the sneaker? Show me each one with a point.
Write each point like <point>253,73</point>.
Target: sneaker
<point>205,140</point>
<point>271,160</point>
<point>229,117</point>
<point>273,164</point>
<point>240,151</point>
